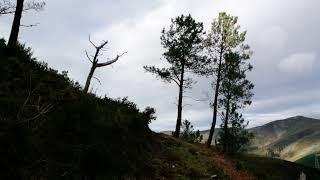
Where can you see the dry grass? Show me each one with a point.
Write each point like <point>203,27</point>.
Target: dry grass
<point>203,160</point>
<point>229,167</point>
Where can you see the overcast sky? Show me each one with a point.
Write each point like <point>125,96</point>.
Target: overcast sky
<point>283,34</point>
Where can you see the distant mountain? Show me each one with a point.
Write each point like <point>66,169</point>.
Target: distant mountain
<point>290,139</point>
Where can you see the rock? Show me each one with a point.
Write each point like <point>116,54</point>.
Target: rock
<point>302,176</point>
<point>214,176</point>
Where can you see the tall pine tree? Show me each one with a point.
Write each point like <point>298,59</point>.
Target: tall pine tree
<point>183,44</point>
<point>223,37</point>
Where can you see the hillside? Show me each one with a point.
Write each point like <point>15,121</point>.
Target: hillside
<point>290,139</point>
<point>50,129</point>
<point>177,159</point>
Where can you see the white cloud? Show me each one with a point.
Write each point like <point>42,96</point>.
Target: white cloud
<point>274,38</point>
<point>298,63</point>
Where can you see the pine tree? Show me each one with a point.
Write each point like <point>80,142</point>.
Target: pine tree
<point>223,37</point>
<point>236,94</point>
<point>188,133</point>
<point>183,44</point>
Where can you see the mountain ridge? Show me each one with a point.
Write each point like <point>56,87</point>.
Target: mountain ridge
<point>290,139</point>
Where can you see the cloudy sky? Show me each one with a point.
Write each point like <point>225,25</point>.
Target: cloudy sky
<point>284,36</point>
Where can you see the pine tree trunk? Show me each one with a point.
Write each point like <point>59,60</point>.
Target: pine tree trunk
<point>215,104</point>
<point>179,117</point>
<point>86,87</point>
<point>225,126</point>
<point>16,24</point>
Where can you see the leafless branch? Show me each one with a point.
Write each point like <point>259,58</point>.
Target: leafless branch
<point>26,101</point>
<point>7,7</point>
<point>92,42</point>
<point>31,25</point>
<point>97,80</point>
<point>186,105</point>
<point>41,109</point>
<point>105,49</point>
<point>36,6</point>
<point>102,45</point>
<point>200,100</point>
<point>88,56</point>
<point>111,61</point>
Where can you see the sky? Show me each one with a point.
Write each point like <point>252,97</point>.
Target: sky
<point>283,35</point>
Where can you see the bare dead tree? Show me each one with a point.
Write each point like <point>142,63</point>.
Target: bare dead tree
<point>19,8</point>
<point>95,61</point>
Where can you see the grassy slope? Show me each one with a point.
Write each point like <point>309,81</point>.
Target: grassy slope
<point>176,159</point>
